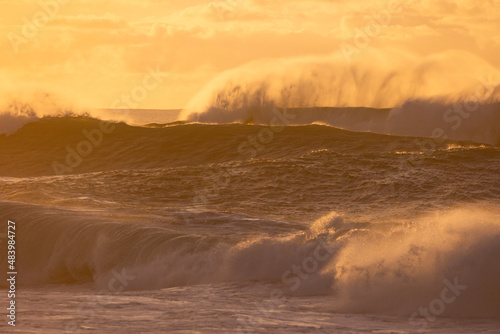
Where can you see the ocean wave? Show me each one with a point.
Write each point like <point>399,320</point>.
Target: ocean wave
<point>69,145</point>
<point>23,107</point>
<point>417,118</point>
<point>376,268</point>
<point>15,118</point>
<point>409,268</point>
<point>402,96</point>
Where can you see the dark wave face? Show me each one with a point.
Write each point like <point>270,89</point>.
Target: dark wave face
<point>183,204</point>
<point>72,145</point>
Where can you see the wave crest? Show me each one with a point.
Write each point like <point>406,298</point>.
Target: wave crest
<point>365,267</point>
<point>450,95</point>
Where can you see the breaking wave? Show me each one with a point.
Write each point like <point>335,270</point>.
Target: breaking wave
<point>365,267</point>
<point>451,95</point>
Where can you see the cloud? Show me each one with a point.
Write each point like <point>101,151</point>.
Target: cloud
<point>94,47</point>
<point>103,22</point>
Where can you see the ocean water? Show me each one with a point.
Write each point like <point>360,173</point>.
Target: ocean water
<point>275,222</point>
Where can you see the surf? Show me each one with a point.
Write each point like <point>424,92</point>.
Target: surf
<point>364,267</point>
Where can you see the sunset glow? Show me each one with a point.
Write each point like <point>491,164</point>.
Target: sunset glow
<point>92,51</point>
<point>250,166</point>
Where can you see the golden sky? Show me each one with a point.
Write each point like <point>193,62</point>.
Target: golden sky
<point>96,51</point>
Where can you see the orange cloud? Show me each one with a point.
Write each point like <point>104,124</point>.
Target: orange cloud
<point>97,49</point>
